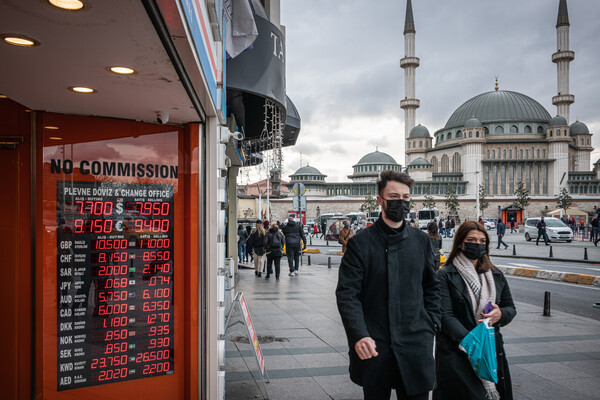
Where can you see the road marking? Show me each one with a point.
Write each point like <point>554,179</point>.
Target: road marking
<point>544,281</point>
<point>526,266</point>
<point>593,269</point>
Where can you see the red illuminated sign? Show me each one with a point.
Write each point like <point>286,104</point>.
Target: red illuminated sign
<point>114,282</point>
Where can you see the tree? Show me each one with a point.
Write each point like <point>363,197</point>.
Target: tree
<point>369,205</point>
<point>429,202</point>
<point>522,195</point>
<point>451,200</point>
<point>483,203</point>
<point>564,199</point>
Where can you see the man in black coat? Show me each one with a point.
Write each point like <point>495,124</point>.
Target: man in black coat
<point>541,227</point>
<point>388,298</point>
<point>294,237</point>
<point>500,231</point>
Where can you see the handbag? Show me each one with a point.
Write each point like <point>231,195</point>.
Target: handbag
<point>480,346</point>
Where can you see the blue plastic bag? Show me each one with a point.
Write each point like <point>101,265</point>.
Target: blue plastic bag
<point>480,346</point>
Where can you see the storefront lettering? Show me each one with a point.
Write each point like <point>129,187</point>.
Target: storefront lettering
<point>111,168</point>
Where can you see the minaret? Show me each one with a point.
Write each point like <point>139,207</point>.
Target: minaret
<point>562,58</point>
<point>409,63</point>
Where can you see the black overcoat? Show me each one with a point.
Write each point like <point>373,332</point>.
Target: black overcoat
<point>387,290</point>
<point>455,376</point>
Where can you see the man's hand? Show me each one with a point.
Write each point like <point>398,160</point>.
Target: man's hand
<point>493,315</point>
<point>366,348</point>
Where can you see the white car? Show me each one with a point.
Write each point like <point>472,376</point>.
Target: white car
<point>489,223</point>
<point>555,229</point>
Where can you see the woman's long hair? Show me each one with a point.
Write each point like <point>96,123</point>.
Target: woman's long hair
<point>260,229</point>
<point>432,230</point>
<point>483,264</point>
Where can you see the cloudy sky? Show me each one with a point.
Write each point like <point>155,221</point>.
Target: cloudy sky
<point>344,77</point>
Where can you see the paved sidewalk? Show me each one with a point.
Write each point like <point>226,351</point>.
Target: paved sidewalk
<point>305,347</point>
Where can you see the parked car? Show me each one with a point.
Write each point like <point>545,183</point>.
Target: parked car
<point>555,229</point>
<point>489,223</point>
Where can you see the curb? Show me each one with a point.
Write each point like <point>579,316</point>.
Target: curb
<point>546,258</point>
<point>582,279</point>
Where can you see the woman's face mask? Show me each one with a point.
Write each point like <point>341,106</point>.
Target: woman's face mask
<point>474,251</point>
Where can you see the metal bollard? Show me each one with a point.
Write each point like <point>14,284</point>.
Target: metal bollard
<point>585,256</point>
<point>308,260</point>
<point>328,262</point>
<point>327,242</point>
<point>546,304</point>
<point>514,250</point>
<point>551,251</point>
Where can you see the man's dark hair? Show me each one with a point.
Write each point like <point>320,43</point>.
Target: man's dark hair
<point>389,175</point>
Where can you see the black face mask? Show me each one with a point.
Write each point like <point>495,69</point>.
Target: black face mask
<point>474,251</point>
<point>396,209</point>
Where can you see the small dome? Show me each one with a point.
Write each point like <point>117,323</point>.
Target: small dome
<point>307,170</point>
<point>377,157</point>
<point>417,162</point>
<point>473,123</point>
<point>578,128</point>
<point>557,121</point>
<point>419,131</point>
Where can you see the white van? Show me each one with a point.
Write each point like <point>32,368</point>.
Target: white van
<point>555,229</point>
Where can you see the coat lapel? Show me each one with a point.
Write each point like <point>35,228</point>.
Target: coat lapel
<point>459,284</point>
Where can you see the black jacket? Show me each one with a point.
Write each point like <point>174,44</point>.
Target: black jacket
<point>387,290</point>
<point>269,240</point>
<point>541,226</point>
<point>294,234</point>
<point>455,376</point>
<point>242,236</point>
<point>256,242</point>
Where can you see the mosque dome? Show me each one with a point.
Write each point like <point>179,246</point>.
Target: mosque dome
<point>419,163</point>
<point>499,106</point>
<point>419,131</point>
<point>473,123</point>
<point>377,157</point>
<point>578,128</point>
<point>307,170</point>
<point>558,121</point>
<point>307,173</point>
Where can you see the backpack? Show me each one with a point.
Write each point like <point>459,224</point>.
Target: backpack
<point>275,242</point>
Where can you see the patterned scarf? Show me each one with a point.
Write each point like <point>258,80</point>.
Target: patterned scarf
<point>481,288</point>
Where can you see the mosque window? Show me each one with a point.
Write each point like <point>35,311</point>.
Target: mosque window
<point>476,133</point>
<point>538,153</point>
<point>449,135</point>
<point>526,153</point>
<point>558,132</point>
<point>527,129</point>
<point>581,141</point>
<point>499,129</point>
<point>550,132</point>
<point>458,134</point>
<point>504,154</point>
<point>493,153</point>
<point>486,131</point>
<point>420,143</point>
<point>514,129</point>
<point>521,154</point>
<point>470,134</point>
<point>510,154</point>
<point>442,137</point>
<point>588,141</point>
<point>456,163</point>
<point>488,155</point>
<point>543,153</point>
<point>445,164</point>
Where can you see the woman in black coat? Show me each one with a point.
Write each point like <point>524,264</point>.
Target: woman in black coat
<point>469,262</point>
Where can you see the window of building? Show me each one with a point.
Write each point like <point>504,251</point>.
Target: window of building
<point>503,179</point>
<point>526,153</point>
<point>420,143</point>
<point>486,179</point>
<point>470,134</point>
<point>476,133</point>
<point>514,129</point>
<point>511,179</point>
<point>581,141</point>
<point>558,132</point>
<point>488,155</point>
<point>486,131</point>
<point>510,154</point>
<point>495,179</point>
<point>543,153</point>
<point>456,163</point>
<point>527,129</point>
<point>588,141</point>
<point>493,154</point>
<point>499,129</point>
<point>528,177</point>
<point>521,154</point>
<point>504,154</point>
<point>458,134</point>
<point>536,179</point>
<point>551,132</point>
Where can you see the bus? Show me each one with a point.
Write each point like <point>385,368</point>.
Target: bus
<point>426,215</point>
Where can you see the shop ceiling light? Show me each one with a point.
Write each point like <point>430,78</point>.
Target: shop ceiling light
<point>16,39</point>
<point>51,127</point>
<point>2,96</point>
<point>71,5</point>
<point>122,70</point>
<point>82,89</point>
<point>55,138</point>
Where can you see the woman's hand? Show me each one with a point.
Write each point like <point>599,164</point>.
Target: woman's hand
<point>493,315</point>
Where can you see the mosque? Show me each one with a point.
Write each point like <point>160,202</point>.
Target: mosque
<point>495,140</point>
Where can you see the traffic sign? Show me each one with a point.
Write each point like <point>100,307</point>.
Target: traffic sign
<point>302,203</point>
<point>298,189</point>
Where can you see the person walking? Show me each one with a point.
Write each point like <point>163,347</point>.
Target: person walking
<point>294,238</point>
<point>257,240</point>
<point>242,237</point>
<point>512,224</point>
<point>436,243</point>
<point>468,281</point>
<point>541,227</point>
<point>345,234</point>
<point>594,234</point>
<point>447,226</point>
<point>274,242</point>
<point>388,299</point>
<point>315,230</point>
<point>501,231</point>
<point>248,245</point>
<point>323,229</point>
<point>441,226</point>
